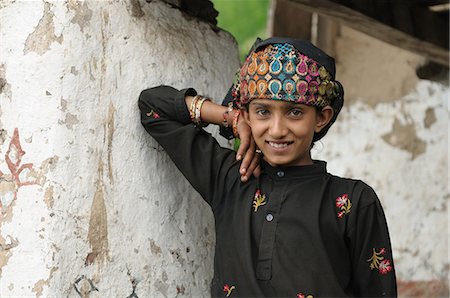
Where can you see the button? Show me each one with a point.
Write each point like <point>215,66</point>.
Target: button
<point>280,174</point>
<point>269,217</point>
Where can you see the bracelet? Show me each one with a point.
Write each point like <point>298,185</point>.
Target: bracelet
<point>198,109</point>
<point>226,114</point>
<point>192,107</point>
<point>235,123</point>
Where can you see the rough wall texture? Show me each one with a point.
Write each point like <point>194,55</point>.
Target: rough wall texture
<point>90,205</point>
<point>393,133</point>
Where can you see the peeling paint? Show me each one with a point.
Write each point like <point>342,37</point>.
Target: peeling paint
<point>39,286</point>
<point>43,36</point>
<point>82,15</point>
<point>5,87</point>
<point>63,104</point>
<point>6,245</point>
<point>3,136</point>
<point>73,71</point>
<point>430,118</point>
<point>155,249</point>
<point>98,225</point>
<point>109,126</point>
<point>405,138</point>
<point>5,3</point>
<point>48,197</point>
<point>47,165</point>
<point>70,120</point>
<point>136,9</point>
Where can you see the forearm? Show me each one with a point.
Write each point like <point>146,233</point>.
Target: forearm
<point>213,113</point>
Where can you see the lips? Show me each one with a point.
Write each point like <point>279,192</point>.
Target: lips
<point>278,145</point>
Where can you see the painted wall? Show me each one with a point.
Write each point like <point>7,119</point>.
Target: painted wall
<point>90,205</point>
<point>393,134</point>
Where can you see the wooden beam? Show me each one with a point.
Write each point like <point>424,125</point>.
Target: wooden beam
<point>372,27</point>
<point>290,20</point>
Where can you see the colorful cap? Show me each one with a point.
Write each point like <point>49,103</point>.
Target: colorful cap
<point>280,72</point>
<point>290,70</point>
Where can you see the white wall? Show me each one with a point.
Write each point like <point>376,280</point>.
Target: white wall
<point>102,211</point>
<point>393,134</point>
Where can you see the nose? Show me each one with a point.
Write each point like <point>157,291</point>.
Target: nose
<point>278,128</point>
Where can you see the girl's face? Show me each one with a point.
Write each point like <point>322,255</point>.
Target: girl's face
<point>284,130</point>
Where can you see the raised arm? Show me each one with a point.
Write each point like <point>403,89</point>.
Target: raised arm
<point>165,115</point>
<point>224,116</point>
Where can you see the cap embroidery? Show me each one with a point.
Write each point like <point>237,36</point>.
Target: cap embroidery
<point>287,75</point>
<point>377,261</point>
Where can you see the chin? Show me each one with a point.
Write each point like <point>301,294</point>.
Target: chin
<point>278,162</point>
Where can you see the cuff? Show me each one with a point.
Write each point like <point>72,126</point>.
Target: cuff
<point>180,105</point>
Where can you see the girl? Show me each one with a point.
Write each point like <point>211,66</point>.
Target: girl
<point>295,230</point>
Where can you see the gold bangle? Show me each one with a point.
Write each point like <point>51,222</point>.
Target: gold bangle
<point>192,107</point>
<point>198,112</point>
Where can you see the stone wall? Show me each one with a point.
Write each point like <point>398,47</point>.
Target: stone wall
<point>90,205</point>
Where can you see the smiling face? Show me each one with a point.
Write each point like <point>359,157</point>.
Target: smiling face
<point>284,130</point>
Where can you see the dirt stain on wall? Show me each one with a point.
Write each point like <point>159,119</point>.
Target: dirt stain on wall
<point>6,245</point>
<point>5,87</point>
<point>136,9</point>
<point>39,286</point>
<point>82,15</point>
<point>404,137</point>
<point>430,118</point>
<point>98,225</point>
<point>43,36</point>
<point>109,127</point>
<point>48,197</point>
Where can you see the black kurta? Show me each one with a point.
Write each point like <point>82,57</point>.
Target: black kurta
<point>293,232</point>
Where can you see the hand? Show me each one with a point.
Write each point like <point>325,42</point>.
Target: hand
<point>247,150</point>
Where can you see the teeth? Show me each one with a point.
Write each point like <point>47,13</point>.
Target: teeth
<point>278,145</point>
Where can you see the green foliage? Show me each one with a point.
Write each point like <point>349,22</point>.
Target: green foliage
<point>244,19</point>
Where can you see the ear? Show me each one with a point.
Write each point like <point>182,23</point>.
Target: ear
<point>323,118</point>
<point>246,116</point>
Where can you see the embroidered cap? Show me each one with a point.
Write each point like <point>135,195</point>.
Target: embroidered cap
<point>290,70</point>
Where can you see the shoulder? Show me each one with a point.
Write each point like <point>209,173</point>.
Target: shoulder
<point>357,191</point>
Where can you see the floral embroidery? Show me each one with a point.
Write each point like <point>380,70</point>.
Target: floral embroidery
<point>301,295</point>
<point>377,261</point>
<point>258,200</point>
<point>344,205</point>
<point>227,289</point>
<point>153,114</point>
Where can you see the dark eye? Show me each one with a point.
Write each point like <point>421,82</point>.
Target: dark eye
<point>295,112</point>
<point>262,112</point>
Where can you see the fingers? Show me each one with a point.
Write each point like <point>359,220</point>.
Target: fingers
<point>246,138</point>
<point>254,164</point>
<point>243,148</point>
<point>246,162</point>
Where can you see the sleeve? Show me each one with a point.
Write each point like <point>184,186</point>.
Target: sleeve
<point>227,132</point>
<point>195,152</point>
<point>373,273</point>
